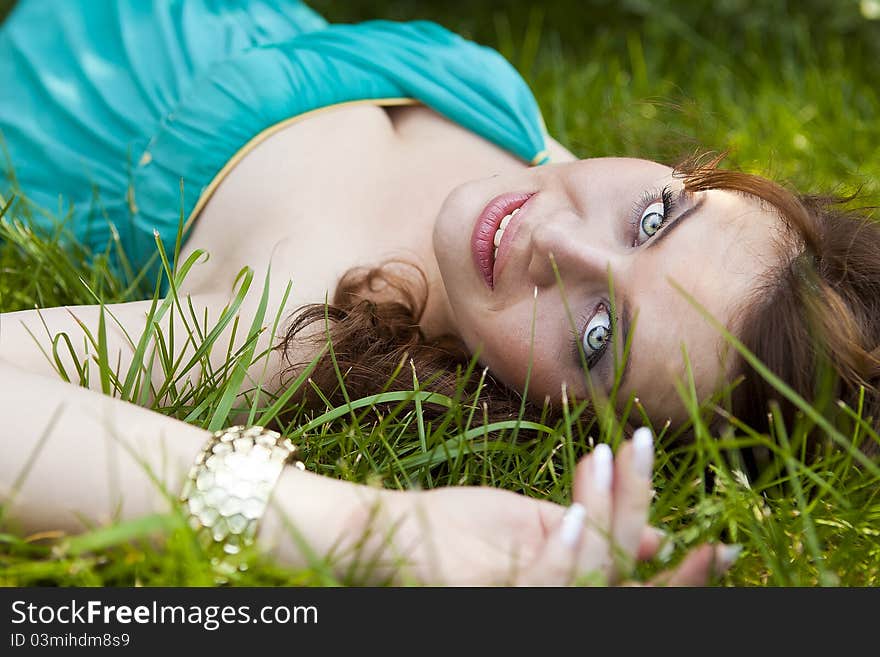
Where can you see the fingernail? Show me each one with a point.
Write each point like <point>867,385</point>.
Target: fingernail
<point>667,545</point>
<point>602,466</point>
<point>573,525</point>
<point>661,534</point>
<point>725,555</point>
<point>643,452</point>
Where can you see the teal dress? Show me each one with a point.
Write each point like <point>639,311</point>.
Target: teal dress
<point>132,111</point>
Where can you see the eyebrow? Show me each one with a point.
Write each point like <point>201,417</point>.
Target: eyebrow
<point>668,228</point>
<point>626,318</point>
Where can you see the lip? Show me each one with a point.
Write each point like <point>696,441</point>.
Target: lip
<point>507,239</point>
<point>484,233</point>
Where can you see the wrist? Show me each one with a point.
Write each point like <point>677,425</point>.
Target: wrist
<point>327,524</point>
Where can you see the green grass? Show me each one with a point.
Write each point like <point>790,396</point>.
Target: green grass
<point>790,89</point>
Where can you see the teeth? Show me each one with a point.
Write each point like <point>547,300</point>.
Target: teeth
<point>500,232</point>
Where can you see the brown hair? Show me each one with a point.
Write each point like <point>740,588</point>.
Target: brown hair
<point>817,312</point>
<point>814,320</point>
<point>378,343</point>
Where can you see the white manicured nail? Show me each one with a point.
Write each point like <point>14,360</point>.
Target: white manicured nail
<point>643,452</point>
<point>602,467</point>
<point>573,525</point>
<point>726,555</point>
<point>666,550</point>
<point>667,546</point>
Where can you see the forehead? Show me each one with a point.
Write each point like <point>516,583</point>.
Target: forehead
<point>610,177</point>
<point>718,256</point>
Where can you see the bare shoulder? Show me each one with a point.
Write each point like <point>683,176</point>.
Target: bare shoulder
<point>558,152</point>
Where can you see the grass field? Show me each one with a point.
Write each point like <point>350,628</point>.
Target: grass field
<point>789,88</point>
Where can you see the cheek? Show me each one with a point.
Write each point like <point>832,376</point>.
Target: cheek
<point>509,347</point>
<point>448,227</point>
<point>442,240</point>
<point>686,342</point>
<point>457,212</point>
<point>502,346</point>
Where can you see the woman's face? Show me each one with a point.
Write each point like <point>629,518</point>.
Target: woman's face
<point>618,218</point>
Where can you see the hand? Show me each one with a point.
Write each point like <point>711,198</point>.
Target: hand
<point>478,536</point>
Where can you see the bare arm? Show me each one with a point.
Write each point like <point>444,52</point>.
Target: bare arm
<point>69,452</point>
<point>61,342</point>
<point>26,337</point>
<point>70,456</point>
<point>74,439</point>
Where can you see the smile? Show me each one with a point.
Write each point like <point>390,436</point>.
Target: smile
<point>488,242</point>
<point>500,232</point>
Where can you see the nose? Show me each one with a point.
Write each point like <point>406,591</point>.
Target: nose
<point>579,254</point>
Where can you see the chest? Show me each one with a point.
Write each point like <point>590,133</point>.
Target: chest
<point>348,186</point>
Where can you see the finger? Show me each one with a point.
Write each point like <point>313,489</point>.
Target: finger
<point>593,489</point>
<point>653,542</point>
<point>700,566</point>
<point>556,564</point>
<point>632,497</point>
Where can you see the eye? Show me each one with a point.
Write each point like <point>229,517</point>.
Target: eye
<point>650,214</point>
<point>652,220</point>
<point>596,335</point>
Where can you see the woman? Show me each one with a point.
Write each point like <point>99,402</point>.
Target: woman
<point>432,187</point>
